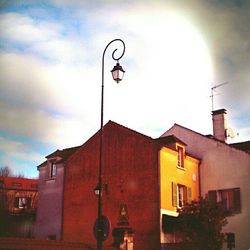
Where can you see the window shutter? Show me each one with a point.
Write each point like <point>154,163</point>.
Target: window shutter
<point>48,171</point>
<point>28,202</point>
<point>237,206</point>
<point>16,202</point>
<point>212,197</point>
<point>174,194</point>
<point>189,194</point>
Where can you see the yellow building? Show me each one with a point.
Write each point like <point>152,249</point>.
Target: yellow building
<point>179,184</point>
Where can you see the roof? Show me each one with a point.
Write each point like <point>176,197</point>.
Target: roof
<point>170,139</point>
<point>243,146</point>
<point>167,141</point>
<point>64,154</point>
<point>128,129</point>
<point>17,183</point>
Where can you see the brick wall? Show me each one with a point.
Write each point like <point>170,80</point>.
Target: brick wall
<point>130,172</point>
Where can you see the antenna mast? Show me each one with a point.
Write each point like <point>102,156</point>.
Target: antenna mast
<point>212,92</point>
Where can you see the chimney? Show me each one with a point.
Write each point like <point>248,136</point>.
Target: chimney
<point>220,124</point>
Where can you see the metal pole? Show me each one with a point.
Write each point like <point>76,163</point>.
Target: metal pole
<point>100,226</point>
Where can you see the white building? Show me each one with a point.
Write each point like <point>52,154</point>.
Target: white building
<point>224,173</point>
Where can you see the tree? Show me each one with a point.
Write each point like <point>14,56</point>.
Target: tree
<point>201,222</point>
<point>20,175</point>
<point>5,171</point>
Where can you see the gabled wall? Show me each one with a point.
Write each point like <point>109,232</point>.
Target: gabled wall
<point>130,172</point>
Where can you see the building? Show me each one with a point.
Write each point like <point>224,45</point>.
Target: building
<point>18,203</point>
<point>50,202</point>
<point>179,184</point>
<point>224,173</point>
<point>145,181</point>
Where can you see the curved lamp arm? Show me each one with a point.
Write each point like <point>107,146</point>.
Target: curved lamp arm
<point>117,79</point>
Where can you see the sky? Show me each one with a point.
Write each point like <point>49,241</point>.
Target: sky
<point>176,51</point>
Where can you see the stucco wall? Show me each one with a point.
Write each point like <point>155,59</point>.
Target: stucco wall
<point>170,173</point>
<point>49,212</point>
<point>187,176</point>
<point>222,167</point>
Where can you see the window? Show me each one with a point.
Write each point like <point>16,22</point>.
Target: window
<point>52,170</point>
<point>22,202</point>
<point>180,195</point>
<point>170,224</point>
<point>229,199</point>
<point>180,162</point>
<point>16,184</point>
<point>181,192</point>
<point>34,186</point>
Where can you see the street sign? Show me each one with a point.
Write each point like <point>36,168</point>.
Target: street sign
<point>104,229</point>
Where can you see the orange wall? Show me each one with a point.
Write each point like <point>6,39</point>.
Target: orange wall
<point>171,173</point>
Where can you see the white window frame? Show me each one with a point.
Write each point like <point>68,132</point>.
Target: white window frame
<point>180,157</point>
<point>23,202</point>
<point>180,195</point>
<point>52,170</point>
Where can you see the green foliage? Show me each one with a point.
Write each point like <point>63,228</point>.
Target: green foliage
<point>201,222</point>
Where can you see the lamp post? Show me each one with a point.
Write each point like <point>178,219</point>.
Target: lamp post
<point>117,74</point>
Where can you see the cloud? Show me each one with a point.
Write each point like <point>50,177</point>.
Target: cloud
<point>70,89</point>
<point>22,28</point>
<point>51,129</point>
<point>225,27</point>
<point>50,67</point>
<point>18,149</point>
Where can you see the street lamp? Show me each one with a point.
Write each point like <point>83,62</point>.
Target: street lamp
<point>117,74</point>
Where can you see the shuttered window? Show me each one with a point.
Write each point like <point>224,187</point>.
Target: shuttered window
<point>212,196</point>
<point>189,195</point>
<point>174,194</point>
<point>228,199</point>
<point>180,195</point>
<point>237,203</point>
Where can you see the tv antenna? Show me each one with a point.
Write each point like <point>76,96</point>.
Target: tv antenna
<point>212,92</point>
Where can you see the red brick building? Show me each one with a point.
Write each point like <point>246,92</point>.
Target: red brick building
<point>18,204</point>
<point>130,178</point>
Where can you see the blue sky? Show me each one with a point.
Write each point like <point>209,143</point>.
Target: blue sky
<point>50,71</point>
